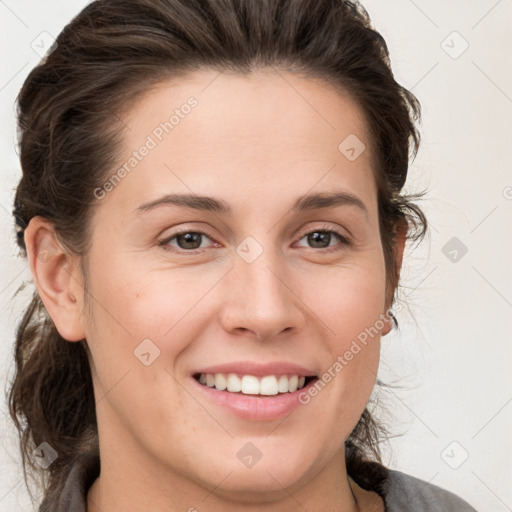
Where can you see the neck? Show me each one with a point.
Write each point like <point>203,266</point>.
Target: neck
<point>128,482</point>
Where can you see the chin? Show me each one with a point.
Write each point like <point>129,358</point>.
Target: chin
<point>259,485</point>
<point>264,477</point>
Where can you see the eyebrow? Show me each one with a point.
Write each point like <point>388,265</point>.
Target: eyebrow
<point>307,202</point>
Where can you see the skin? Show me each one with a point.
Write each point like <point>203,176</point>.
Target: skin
<point>257,144</point>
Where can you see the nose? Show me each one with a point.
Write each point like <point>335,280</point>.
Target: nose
<point>262,297</point>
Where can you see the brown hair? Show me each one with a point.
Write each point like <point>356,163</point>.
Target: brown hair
<point>69,135</point>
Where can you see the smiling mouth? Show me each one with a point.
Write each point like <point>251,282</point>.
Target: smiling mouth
<point>268,385</point>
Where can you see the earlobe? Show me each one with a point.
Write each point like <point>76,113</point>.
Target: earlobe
<point>57,278</point>
<point>400,240</point>
<point>387,325</point>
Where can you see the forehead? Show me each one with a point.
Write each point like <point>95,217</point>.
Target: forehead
<point>258,134</point>
<point>254,105</point>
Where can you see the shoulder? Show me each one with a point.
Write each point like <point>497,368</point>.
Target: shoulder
<point>405,492</point>
<point>73,493</point>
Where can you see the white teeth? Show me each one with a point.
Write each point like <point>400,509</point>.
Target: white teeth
<point>234,383</point>
<point>220,381</point>
<point>268,385</point>
<point>282,385</point>
<point>251,385</point>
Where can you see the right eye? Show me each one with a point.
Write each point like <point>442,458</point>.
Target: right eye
<point>186,241</point>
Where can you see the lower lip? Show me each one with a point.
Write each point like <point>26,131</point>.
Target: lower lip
<point>255,407</point>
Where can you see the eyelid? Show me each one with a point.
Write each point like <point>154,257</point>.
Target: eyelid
<point>328,228</point>
<point>168,238</point>
<point>345,239</point>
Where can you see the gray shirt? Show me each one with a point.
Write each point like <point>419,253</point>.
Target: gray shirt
<point>402,492</point>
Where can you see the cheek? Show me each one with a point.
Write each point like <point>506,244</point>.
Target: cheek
<point>140,318</point>
<point>130,299</point>
<point>133,304</point>
<point>351,300</point>
<point>351,309</point>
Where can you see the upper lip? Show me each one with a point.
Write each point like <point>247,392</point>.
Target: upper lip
<point>258,369</point>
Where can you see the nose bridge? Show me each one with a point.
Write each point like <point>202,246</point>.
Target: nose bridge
<point>260,296</point>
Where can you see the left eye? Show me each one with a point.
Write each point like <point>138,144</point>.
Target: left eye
<point>189,240</point>
<point>320,236</point>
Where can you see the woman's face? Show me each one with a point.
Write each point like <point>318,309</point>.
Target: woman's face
<point>259,293</point>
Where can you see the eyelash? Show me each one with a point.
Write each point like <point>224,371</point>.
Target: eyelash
<point>344,240</point>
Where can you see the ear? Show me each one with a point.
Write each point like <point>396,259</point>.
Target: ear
<point>57,276</point>
<point>400,240</point>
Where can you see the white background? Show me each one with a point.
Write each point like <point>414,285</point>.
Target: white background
<point>452,357</point>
